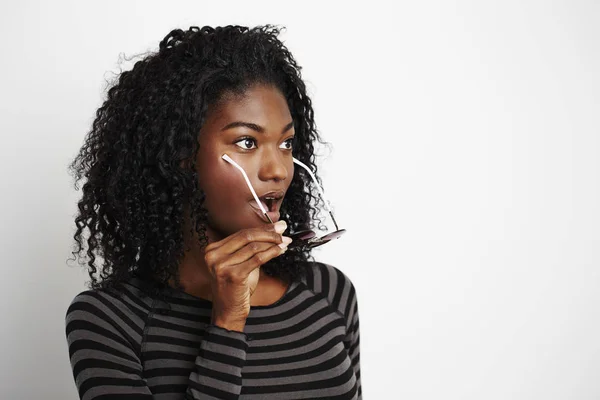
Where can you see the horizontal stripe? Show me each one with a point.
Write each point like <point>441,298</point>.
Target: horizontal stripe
<point>125,344</point>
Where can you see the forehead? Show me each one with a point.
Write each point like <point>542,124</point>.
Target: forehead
<point>259,104</point>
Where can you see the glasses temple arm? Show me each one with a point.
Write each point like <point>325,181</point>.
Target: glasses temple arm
<point>230,160</point>
<point>314,178</point>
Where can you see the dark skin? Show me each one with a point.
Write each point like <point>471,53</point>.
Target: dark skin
<point>227,271</point>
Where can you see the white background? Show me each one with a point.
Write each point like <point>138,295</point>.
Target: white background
<point>465,168</point>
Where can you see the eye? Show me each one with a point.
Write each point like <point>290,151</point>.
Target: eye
<point>245,141</point>
<point>290,142</point>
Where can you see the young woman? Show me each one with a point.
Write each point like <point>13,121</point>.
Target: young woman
<point>199,173</point>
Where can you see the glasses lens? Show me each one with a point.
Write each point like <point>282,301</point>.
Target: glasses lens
<point>324,239</point>
<point>308,238</point>
<point>303,235</point>
<point>317,243</point>
<point>300,238</point>
<point>334,235</point>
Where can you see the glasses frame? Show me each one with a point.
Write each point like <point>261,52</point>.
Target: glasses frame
<point>304,238</point>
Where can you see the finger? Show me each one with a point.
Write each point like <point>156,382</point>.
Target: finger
<point>245,236</point>
<point>252,248</point>
<point>258,259</point>
<point>230,238</point>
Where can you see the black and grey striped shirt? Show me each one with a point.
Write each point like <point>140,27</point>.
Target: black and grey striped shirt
<point>127,345</point>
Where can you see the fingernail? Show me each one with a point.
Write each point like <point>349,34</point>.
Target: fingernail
<point>286,242</point>
<point>280,226</point>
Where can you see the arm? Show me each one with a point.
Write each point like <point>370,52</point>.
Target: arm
<point>106,365</point>
<point>218,371</point>
<point>352,339</point>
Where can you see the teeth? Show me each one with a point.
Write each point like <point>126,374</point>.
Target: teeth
<point>264,204</point>
<point>268,202</point>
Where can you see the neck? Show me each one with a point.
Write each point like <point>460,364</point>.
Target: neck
<point>194,275</point>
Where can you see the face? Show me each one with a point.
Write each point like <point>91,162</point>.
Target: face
<point>256,131</point>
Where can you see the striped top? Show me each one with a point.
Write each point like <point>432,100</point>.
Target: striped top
<point>126,345</point>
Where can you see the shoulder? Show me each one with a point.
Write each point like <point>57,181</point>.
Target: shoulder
<point>121,313</point>
<point>333,284</point>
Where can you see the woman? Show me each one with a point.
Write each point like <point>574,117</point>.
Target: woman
<point>199,294</point>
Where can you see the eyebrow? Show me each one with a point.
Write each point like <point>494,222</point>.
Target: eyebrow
<point>254,127</point>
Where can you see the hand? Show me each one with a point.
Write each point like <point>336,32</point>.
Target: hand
<point>234,264</point>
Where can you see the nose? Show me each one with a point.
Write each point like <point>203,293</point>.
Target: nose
<point>273,166</point>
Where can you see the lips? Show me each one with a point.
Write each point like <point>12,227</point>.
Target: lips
<point>269,205</point>
<point>270,200</point>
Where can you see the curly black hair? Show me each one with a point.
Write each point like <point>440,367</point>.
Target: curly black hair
<point>139,158</point>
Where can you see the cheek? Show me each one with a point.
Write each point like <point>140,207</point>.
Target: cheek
<point>219,184</point>
<point>226,196</point>
<point>213,176</point>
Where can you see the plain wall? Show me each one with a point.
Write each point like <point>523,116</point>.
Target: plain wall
<point>464,167</point>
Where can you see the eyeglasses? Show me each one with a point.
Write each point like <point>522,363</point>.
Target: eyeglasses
<point>304,238</point>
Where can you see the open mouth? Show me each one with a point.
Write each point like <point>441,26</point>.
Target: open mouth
<point>269,202</point>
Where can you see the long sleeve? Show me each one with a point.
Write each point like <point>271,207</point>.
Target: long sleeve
<point>219,365</point>
<point>352,338</point>
<point>104,353</point>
